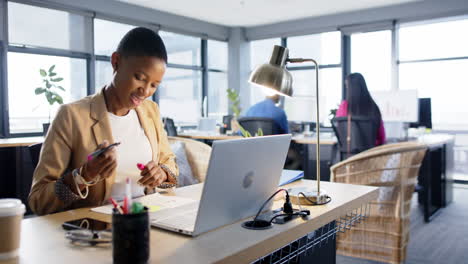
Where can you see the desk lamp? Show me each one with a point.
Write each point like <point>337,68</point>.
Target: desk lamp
<point>276,78</point>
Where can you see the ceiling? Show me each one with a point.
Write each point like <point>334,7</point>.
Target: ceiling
<point>248,13</point>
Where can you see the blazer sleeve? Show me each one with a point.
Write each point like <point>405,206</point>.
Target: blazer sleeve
<point>381,135</point>
<point>342,109</point>
<point>167,159</point>
<point>53,161</point>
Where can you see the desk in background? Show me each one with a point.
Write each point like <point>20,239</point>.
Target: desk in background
<point>43,241</point>
<point>200,135</point>
<point>328,152</point>
<point>16,167</point>
<point>436,173</point>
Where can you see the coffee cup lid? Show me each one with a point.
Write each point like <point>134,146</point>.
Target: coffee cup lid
<point>10,207</point>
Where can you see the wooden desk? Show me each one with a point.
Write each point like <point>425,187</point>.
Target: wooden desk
<point>208,136</point>
<point>43,241</point>
<point>436,173</point>
<point>16,167</point>
<point>328,152</point>
<point>20,142</point>
<point>301,139</point>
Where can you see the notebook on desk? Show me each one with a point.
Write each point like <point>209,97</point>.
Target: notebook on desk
<point>242,174</point>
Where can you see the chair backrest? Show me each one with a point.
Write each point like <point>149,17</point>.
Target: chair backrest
<point>363,134</point>
<point>252,124</point>
<point>35,151</point>
<point>227,121</point>
<point>198,156</point>
<point>393,168</point>
<point>169,126</point>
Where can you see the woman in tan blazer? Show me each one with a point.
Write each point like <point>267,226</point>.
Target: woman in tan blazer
<point>64,177</point>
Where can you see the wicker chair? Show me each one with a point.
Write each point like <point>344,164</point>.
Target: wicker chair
<point>384,235</point>
<point>198,156</point>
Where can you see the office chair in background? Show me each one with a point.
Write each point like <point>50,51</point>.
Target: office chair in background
<point>226,123</point>
<point>363,134</point>
<point>252,124</point>
<point>169,126</point>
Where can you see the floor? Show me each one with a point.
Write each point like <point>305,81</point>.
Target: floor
<point>443,240</point>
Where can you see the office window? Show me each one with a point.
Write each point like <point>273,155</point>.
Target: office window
<point>103,74</point>
<point>39,38</point>
<point>183,50</point>
<point>325,48</point>
<point>260,53</point>
<point>29,111</point>
<point>445,83</point>
<point>42,27</point>
<point>107,35</point>
<point>217,95</point>
<point>217,55</point>
<point>217,79</point>
<point>436,40</point>
<point>443,79</point>
<point>180,95</point>
<point>371,55</point>
<point>304,90</point>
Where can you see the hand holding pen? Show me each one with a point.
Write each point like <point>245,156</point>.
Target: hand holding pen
<point>153,174</point>
<point>101,163</point>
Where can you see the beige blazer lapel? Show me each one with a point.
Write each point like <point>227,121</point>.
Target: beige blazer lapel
<point>150,131</point>
<point>102,131</point>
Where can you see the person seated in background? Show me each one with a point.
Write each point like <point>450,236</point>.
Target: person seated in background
<point>359,102</point>
<point>268,109</point>
<point>67,178</point>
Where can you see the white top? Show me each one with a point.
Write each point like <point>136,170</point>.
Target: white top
<point>134,148</point>
<point>11,207</point>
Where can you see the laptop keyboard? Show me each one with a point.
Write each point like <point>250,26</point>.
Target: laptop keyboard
<point>182,217</point>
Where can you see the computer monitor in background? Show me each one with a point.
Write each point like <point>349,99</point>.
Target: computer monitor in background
<point>425,113</point>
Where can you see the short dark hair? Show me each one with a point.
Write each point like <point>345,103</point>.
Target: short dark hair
<point>142,41</point>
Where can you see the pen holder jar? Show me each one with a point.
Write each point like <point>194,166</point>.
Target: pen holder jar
<point>130,238</point>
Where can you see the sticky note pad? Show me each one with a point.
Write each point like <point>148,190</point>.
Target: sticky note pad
<point>153,208</point>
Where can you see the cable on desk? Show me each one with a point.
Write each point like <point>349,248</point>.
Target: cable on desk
<point>312,202</point>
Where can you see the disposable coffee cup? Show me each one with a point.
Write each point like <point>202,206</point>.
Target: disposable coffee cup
<point>11,214</point>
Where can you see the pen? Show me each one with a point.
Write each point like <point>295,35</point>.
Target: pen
<point>128,196</point>
<point>117,208</point>
<point>141,166</point>
<point>100,151</point>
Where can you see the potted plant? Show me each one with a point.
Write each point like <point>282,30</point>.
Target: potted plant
<point>50,89</point>
<point>236,110</point>
<point>233,97</point>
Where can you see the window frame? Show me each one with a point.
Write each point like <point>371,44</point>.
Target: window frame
<point>89,55</point>
<point>398,62</point>
<point>284,42</point>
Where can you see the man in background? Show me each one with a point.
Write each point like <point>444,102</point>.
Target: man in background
<point>268,109</point>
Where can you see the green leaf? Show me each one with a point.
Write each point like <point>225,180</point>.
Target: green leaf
<point>39,90</point>
<point>59,99</point>
<point>49,97</point>
<point>61,88</point>
<point>43,73</point>
<point>51,68</point>
<point>260,132</point>
<point>48,85</point>
<point>52,74</point>
<point>57,79</point>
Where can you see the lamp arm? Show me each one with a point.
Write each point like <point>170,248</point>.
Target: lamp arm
<point>300,60</point>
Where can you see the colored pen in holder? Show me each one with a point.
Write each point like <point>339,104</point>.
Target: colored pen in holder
<point>130,237</point>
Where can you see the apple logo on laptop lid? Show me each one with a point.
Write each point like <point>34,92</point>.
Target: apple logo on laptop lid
<point>248,179</point>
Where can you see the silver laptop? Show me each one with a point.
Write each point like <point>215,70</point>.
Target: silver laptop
<point>242,174</point>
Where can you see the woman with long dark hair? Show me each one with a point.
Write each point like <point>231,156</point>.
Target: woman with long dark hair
<point>359,102</point>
